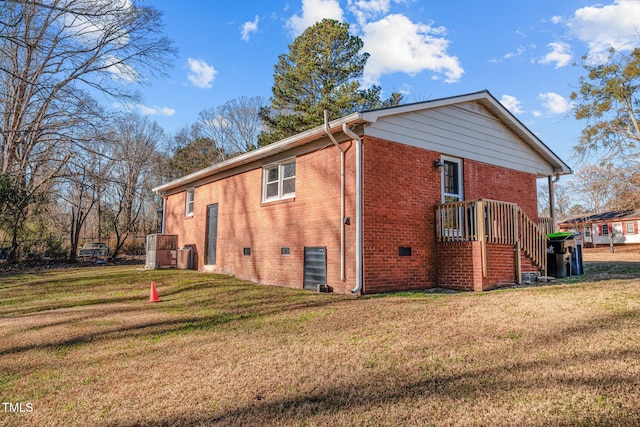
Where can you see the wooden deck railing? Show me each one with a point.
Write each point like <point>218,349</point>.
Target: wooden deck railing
<point>494,222</point>
<point>546,224</point>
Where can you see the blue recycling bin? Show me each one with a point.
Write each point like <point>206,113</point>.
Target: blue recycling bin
<point>564,254</point>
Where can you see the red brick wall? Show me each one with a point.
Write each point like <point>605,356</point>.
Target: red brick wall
<point>459,266</point>
<point>400,189</point>
<point>312,218</point>
<point>484,181</point>
<point>501,266</point>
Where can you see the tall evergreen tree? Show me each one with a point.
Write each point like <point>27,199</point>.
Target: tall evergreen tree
<point>320,72</point>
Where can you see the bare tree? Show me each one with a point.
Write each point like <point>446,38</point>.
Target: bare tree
<point>80,197</point>
<point>84,182</point>
<point>625,185</point>
<point>219,133</point>
<point>563,201</point>
<point>52,54</point>
<point>234,126</point>
<point>594,186</point>
<point>134,156</point>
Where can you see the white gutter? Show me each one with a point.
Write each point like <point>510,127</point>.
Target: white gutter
<point>354,136</point>
<point>342,223</point>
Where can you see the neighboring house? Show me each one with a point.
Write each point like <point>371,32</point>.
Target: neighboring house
<point>359,204</point>
<point>601,228</point>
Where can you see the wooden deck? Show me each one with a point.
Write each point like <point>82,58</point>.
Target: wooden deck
<point>493,222</point>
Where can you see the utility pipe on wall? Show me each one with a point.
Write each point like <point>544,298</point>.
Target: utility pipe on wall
<point>164,197</point>
<point>342,218</point>
<point>354,136</point>
<point>552,201</point>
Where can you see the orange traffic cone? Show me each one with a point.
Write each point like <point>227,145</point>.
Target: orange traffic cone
<point>153,294</point>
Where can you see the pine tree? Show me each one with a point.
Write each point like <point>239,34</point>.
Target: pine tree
<point>321,71</point>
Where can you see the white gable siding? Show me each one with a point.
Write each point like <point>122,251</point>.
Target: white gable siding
<point>467,130</point>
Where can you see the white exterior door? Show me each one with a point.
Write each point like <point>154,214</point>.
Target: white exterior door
<point>452,188</point>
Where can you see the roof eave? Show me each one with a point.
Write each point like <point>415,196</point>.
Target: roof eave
<point>261,153</point>
<point>559,166</point>
<point>489,101</point>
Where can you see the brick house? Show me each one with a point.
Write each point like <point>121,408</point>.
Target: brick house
<point>434,194</point>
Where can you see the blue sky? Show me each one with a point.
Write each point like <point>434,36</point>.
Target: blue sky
<point>522,52</point>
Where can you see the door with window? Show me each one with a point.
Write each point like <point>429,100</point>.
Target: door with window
<point>212,233</point>
<point>451,179</point>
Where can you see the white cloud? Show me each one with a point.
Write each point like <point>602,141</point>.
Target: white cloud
<point>560,54</point>
<point>155,111</point>
<point>555,103</point>
<point>314,11</point>
<point>91,29</point>
<point>249,27</point>
<point>512,104</point>
<point>518,52</point>
<point>600,27</point>
<point>397,44</point>
<point>201,74</point>
<point>537,113</point>
<point>556,19</point>
<point>365,10</point>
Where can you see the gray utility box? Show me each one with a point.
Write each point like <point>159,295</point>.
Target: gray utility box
<point>315,268</point>
<point>185,258</point>
<point>161,251</point>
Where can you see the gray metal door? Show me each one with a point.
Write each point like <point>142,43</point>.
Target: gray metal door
<point>212,233</point>
<point>315,267</point>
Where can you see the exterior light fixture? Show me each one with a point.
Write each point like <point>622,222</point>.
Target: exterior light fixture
<point>438,164</point>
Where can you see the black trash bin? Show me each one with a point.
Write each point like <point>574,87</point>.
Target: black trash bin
<point>560,253</point>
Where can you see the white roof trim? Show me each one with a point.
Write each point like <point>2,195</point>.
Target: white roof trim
<point>493,105</point>
<point>260,153</point>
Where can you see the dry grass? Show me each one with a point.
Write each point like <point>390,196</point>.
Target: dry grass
<point>85,348</point>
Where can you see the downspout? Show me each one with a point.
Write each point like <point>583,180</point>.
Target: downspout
<point>552,202</point>
<point>355,137</point>
<point>164,197</point>
<point>342,218</point>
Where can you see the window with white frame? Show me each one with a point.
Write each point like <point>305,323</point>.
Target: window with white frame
<point>630,228</point>
<point>279,181</point>
<point>605,229</point>
<point>188,211</point>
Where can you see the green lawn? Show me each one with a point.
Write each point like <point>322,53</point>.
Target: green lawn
<point>84,347</point>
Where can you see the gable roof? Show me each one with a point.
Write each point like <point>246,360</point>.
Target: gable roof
<point>609,216</point>
<point>484,97</point>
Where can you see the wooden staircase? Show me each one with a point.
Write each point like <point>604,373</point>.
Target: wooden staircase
<point>493,222</point>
